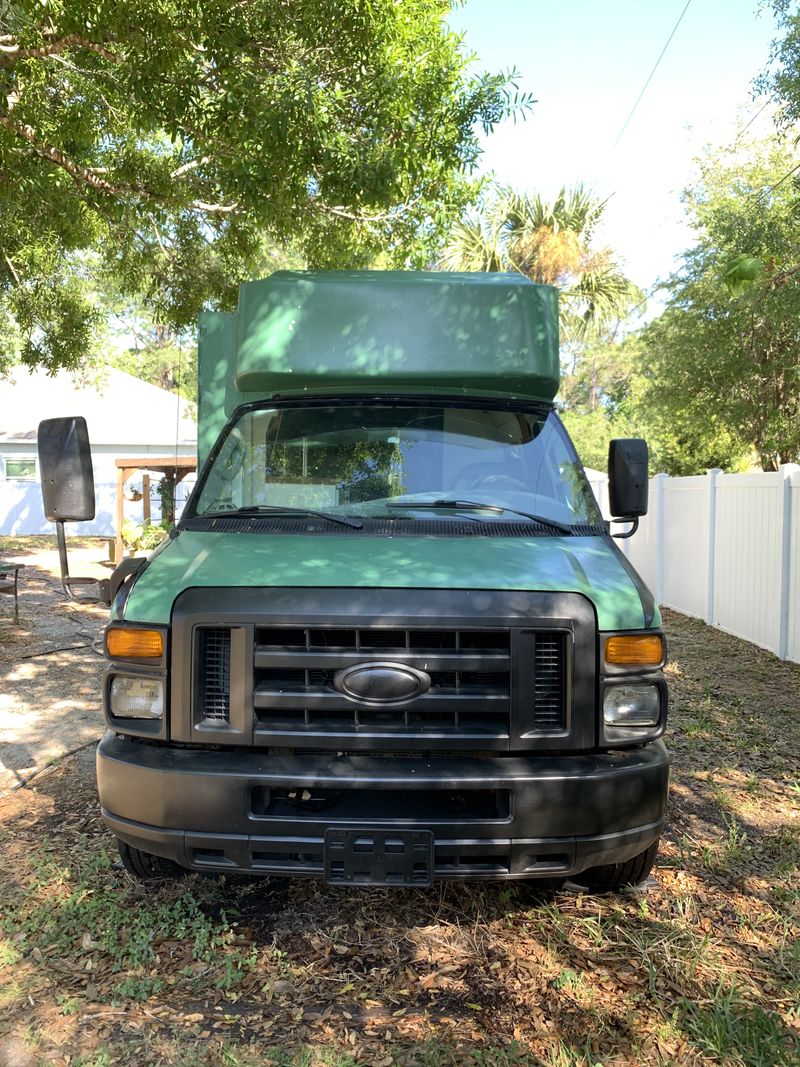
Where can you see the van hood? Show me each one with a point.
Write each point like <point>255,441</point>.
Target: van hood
<point>592,566</point>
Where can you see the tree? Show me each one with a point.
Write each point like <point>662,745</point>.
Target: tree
<point>724,357</point>
<point>609,390</point>
<point>148,347</point>
<point>597,380</point>
<point>168,137</point>
<point>550,243</point>
<point>156,353</point>
<point>781,80</point>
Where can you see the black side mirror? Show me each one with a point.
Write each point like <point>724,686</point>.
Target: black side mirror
<point>65,463</point>
<point>65,466</point>
<point>628,480</point>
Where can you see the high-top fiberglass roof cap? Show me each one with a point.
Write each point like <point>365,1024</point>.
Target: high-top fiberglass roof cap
<point>410,331</point>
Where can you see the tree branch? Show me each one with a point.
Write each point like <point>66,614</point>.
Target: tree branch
<point>212,209</point>
<point>12,269</point>
<point>189,166</point>
<point>341,212</point>
<point>55,155</point>
<point>10,49</point>
<point>93,176</point>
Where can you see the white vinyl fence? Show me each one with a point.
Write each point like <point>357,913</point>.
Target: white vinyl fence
<point>725,548</point>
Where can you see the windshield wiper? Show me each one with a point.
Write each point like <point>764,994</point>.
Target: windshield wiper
<point>474,505</point>
<point>277,509</point>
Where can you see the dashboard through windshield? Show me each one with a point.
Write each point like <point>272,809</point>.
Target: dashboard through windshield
<point>397,459</point>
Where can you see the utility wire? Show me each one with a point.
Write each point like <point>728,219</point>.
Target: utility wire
<point>696,184</point>
<point>779,182</point>
<point>744,129</point>
<point>652,72</point>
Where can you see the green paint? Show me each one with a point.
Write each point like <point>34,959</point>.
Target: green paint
<point>584,565</point>
<point>216,367</point>
<point>348,332</point>
<point>478,334</point>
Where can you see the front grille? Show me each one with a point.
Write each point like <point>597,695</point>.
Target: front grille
<point>469,670</point>
<point>214,674</point>
<point>496,671</point>
<point>280,687</point>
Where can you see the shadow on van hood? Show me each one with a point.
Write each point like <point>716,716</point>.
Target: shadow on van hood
<point>588,565</point>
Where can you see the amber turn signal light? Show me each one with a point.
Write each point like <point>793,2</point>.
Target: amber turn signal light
<point>123,643</point>
<point>635,650</point>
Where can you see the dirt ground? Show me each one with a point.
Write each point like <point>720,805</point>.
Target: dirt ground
<point>49,659</point>
<point>702,966</point>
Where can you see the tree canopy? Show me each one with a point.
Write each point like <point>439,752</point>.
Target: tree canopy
<point>725,356</point>
<point>158,141</point>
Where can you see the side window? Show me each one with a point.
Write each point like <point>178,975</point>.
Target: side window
<point>21,468</point>
<point>223,490</point>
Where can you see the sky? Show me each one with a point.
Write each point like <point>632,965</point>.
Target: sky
<point>585,62</point>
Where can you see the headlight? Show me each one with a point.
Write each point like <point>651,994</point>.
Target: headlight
<point>632,705</point>
<point>136,698</point>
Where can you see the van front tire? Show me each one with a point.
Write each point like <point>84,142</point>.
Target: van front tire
<point>618,875</point>
<point>145,867</point>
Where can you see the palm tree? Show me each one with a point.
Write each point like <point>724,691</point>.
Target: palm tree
<point>550,243</point>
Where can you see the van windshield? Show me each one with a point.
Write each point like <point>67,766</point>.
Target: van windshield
<point>393,459</point>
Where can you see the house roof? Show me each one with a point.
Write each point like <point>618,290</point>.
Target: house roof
<point>119,409</point>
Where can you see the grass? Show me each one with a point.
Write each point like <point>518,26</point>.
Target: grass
<point>84,896</point>
<point>732,1030</point>
<point>702,969</point>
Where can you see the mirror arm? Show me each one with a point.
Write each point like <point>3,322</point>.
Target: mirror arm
<point>109,587</point>
<point>628,533</point>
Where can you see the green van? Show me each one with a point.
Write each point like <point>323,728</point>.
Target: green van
<point>391,638</point>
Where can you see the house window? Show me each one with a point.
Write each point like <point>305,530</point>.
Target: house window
<point>21,467</point>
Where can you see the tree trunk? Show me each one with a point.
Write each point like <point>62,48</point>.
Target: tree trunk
<point>767,462</point>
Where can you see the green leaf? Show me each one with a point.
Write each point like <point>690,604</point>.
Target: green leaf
<point>741,272</point>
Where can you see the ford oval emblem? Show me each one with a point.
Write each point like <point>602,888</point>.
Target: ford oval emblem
<point>381,683</point>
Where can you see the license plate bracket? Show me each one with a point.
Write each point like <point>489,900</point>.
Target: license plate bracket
<point>378,857</point>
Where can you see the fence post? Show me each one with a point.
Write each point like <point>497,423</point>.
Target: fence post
<point>787,470</point>
<point>712,542</point>
<point>660,481</point>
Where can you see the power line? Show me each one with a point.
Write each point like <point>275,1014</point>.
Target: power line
<point>729,148</point>
<point>744,129</point>
<point>780,181</point>
<point>652,72</point>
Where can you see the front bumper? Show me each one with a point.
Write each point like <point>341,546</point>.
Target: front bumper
<point>493,817</point>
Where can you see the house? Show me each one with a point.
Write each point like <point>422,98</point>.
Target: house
<point>125,417</point>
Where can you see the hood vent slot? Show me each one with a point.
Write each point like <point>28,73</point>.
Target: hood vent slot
<point>549,686</point>
<point>214,674</point>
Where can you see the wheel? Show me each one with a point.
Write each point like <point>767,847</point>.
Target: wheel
<point>147,868</point>
<point>616,875</point>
